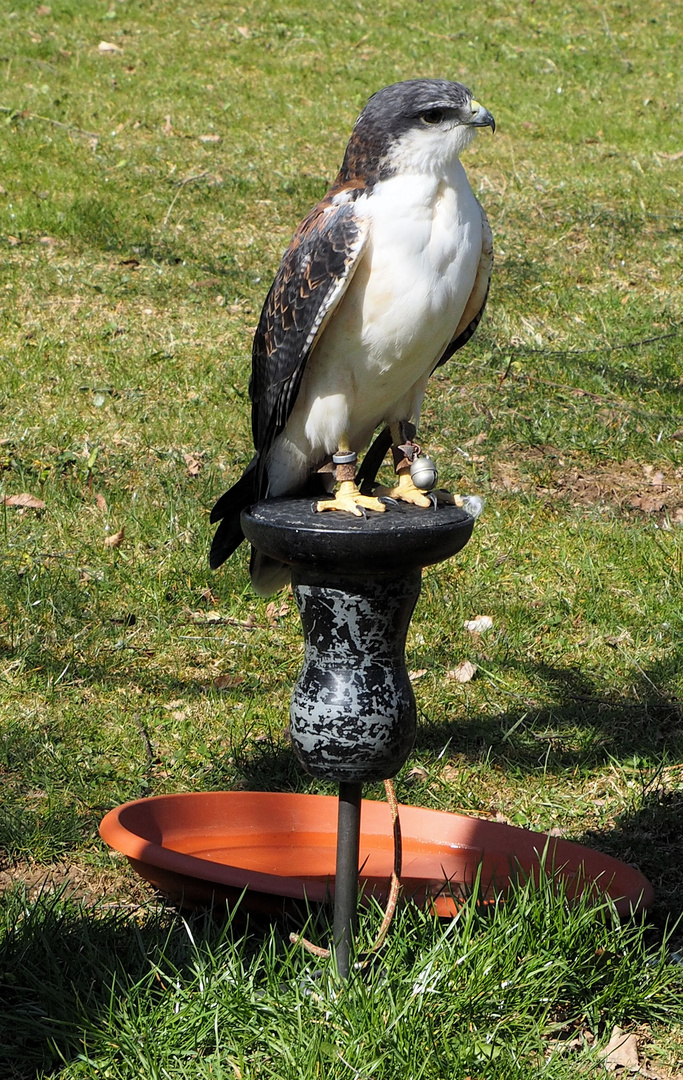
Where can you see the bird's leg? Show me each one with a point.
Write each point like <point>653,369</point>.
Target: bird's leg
<point>348,496</point>
<point>405,451</point>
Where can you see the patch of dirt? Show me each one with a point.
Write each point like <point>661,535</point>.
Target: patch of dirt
<point>628,487</point>
<point>88,884</point>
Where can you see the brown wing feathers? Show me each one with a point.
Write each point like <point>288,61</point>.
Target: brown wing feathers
<point>311,278</point>
<point>314,267</point>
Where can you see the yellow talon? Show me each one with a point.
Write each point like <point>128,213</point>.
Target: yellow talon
<point>349,498</point>
<point>406,491</point>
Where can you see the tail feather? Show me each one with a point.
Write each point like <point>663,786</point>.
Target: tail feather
<point>268,575</point>
<point>227,510</point>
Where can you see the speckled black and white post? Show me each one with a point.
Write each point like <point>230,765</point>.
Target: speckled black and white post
<point>353,714</point>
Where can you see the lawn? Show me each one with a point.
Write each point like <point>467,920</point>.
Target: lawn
<point>154,161</point>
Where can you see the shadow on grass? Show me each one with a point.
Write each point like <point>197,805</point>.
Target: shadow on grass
<point>67,969</point>
<point>59,975</point>
<point>651,837</point>
<point>571,720</point>
<point>581,722</point>
<point>116,665</point>
<point>107,225</point>
<point>587,726</point>
<point>568,719</point>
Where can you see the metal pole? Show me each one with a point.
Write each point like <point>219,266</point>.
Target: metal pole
<point>346,875</point>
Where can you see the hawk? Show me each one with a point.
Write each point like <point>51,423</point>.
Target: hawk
<point>383,281</point>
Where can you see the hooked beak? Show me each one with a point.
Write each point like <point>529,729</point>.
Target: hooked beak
<point>481,117</point>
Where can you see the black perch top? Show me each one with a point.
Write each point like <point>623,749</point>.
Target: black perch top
<point>379,545</point>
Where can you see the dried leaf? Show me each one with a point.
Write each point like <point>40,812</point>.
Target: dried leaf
<point>168,126</point>
<point>208,616</point>
<point>24,501</point>
<point>451,773</point>
<point>226,682</point>
<point>193,463</point>
<point>413,675</point>
<point>43,9</point>
<point>108,47</point>
<point>649,504</point>
<point>116,539</point>
<point>101,503</point>
<point>244,31</point>
<point>275,612</point>
<point>209,138</point>
<point>463,673</point>
<point>417,773</point>
<point>621,1052</point>
<point>479,624</point>
<point>677,518</point>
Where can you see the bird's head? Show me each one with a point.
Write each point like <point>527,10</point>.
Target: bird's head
<point>420,125</point>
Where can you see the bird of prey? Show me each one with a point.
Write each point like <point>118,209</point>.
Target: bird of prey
<point>383,281</point>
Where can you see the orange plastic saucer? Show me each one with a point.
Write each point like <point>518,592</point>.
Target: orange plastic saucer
<point>204,846</point>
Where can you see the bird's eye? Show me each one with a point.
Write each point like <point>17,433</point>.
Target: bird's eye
<point>433,116</point>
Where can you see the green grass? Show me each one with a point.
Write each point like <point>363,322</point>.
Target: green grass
<point>137,249</point>
<point>528,989</point>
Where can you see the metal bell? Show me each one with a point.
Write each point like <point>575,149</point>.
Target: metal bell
<point>424,473</point>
